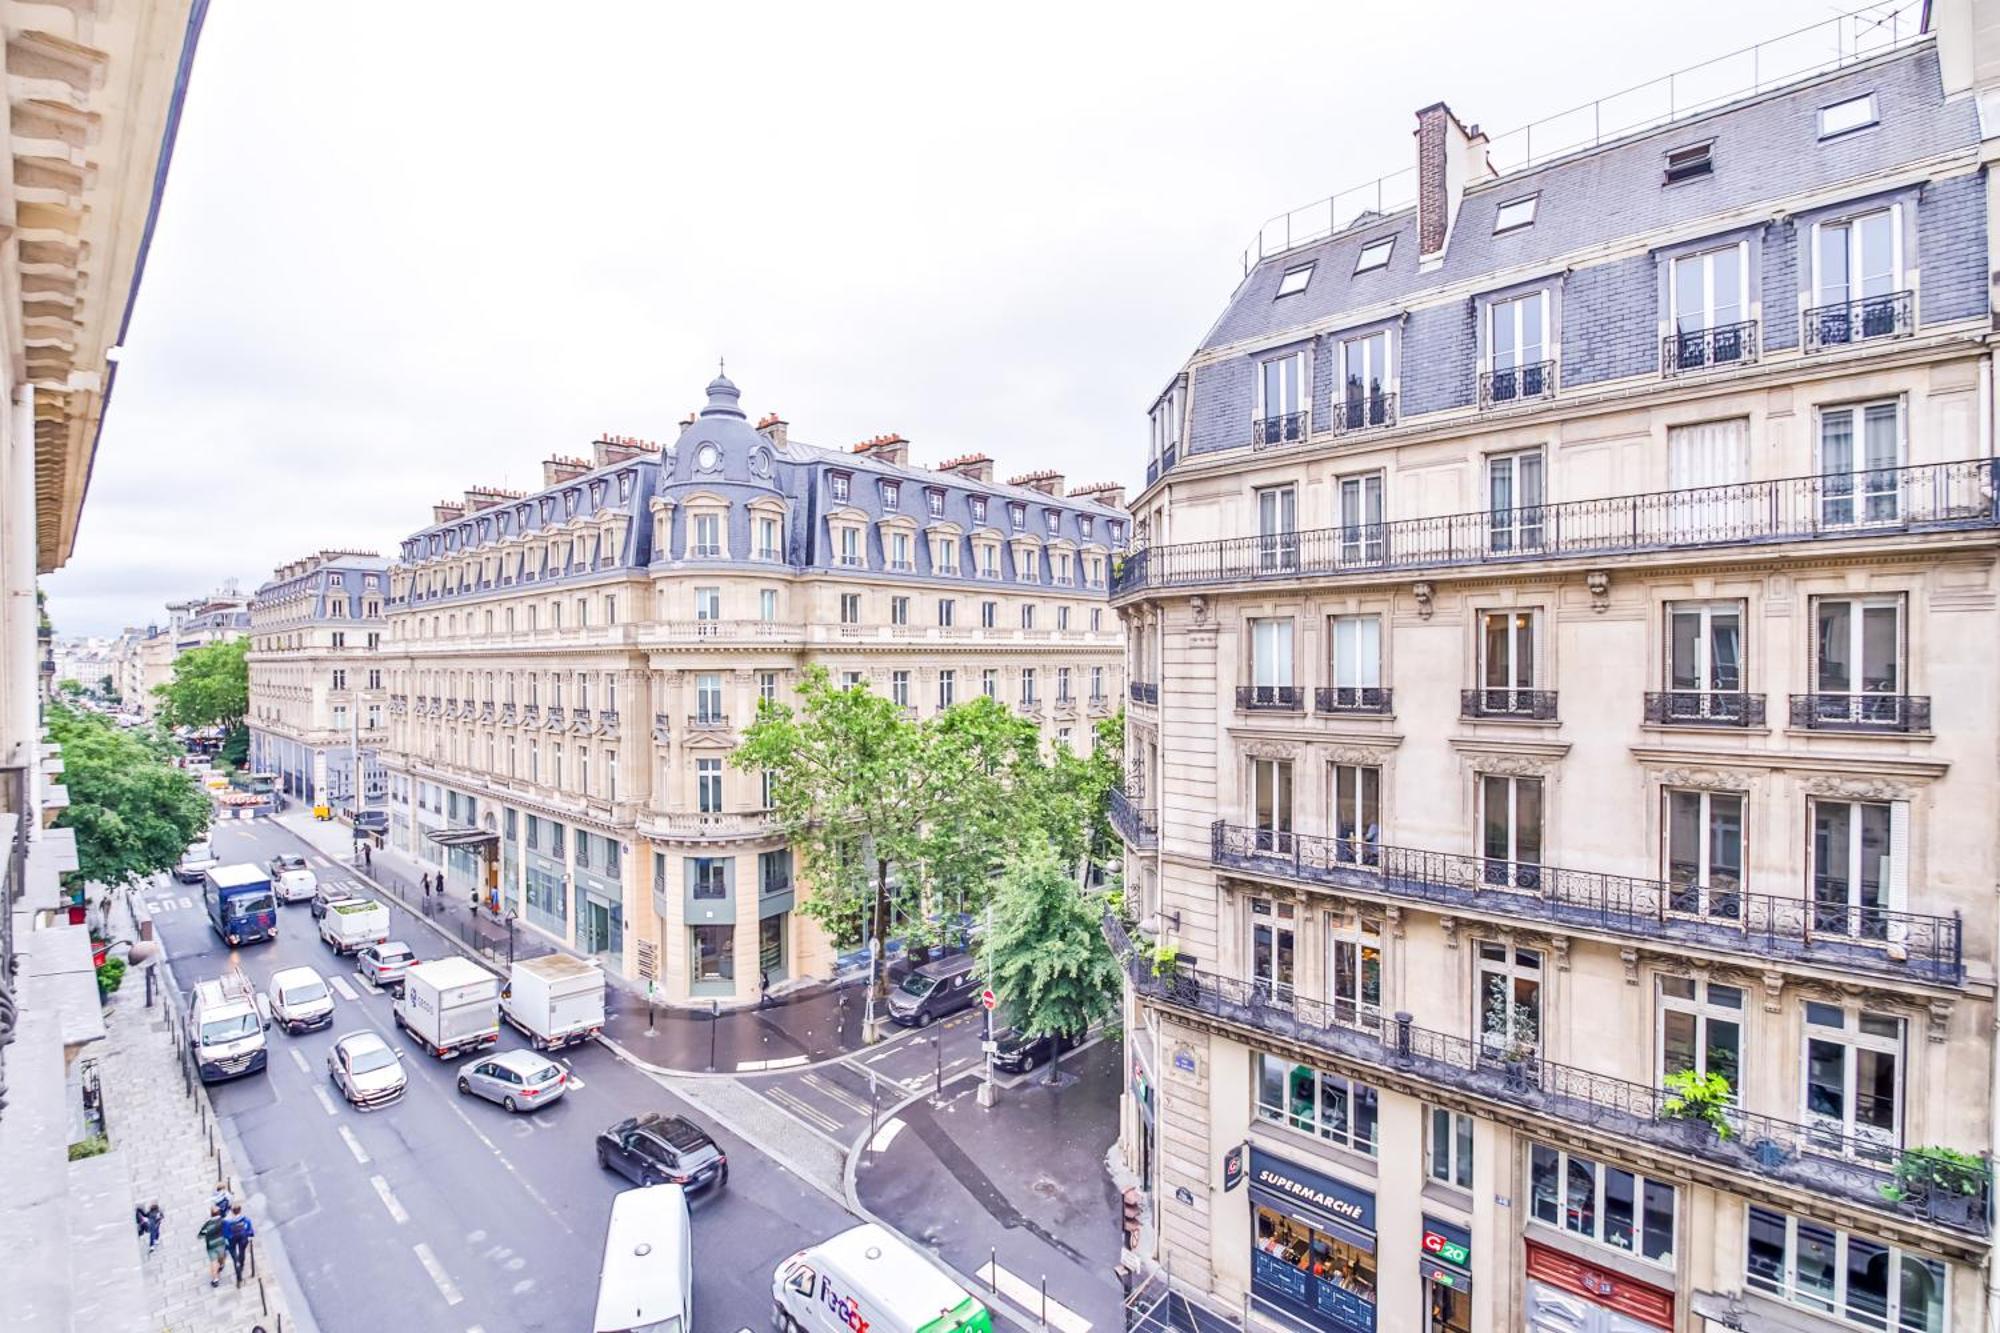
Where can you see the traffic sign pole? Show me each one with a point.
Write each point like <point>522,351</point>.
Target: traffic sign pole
<point>987,1094</point>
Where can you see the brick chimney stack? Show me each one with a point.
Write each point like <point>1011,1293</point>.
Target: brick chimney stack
<point>973,467</point>
<point>608,449</point>
<point>775,429</point>
<point>556,469</point>
<point>1449,157</point>
<point>447,511</point>
<point>1107,493</point>
<point>1048,482</point>
<point>890,448</point>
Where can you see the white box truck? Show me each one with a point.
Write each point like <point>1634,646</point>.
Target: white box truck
<point>555,1000</point>
<point>451,1006</point>
<point>868,1278</point>
<point>354,923</point>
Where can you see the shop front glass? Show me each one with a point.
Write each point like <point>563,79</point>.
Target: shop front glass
<point>1312,1256</point>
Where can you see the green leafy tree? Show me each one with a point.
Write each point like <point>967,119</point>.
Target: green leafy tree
<point>981,763</point>
<point>211,688</point>
<point>1046,956</point>
<point>69,687</point>
<point>133,812</point>
<point>107,690</point>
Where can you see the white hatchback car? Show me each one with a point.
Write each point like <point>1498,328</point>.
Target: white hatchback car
<point>367,1070</point>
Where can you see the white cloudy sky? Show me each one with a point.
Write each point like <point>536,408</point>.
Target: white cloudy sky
<point>402,252</point>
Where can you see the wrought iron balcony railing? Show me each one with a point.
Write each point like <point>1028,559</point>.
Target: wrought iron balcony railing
<point>1136,826</point>
<point>13,884</point>
<point>1901,713</point>
<point>1352,699</point>
<point>1518,705</point>
<point>1890,315</point>
<point>1517,384</point>
<point>1818,1157</point>
<point>1704,708</point>
<point>1876,503</point>
<point>1356,413</point>
<point>1159,467</point>
<point>1662,912</point>
<point>1274,432</point>
<point>1709,349</point>
<point>708,722</point>
<point>1144,692</point>
<point>1270,698</point>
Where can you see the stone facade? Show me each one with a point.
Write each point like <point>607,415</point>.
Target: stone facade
<point>1494,761</point>
<point>573,668</point>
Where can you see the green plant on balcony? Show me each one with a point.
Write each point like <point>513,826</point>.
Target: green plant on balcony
<point>1937,1174</point>
<point>1701,1099</point>
<point>1166,960</point>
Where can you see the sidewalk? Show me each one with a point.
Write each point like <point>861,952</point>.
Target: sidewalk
<point>160,1124</point>
<point>1020,1187</point>
<point>815,1022</point>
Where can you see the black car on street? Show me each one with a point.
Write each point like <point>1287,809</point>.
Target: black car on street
<point>661,1149</point>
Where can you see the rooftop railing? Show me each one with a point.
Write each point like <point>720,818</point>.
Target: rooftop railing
<point>1872,503</point>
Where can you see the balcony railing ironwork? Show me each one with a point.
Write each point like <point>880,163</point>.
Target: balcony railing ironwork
<point>1889,315</point>
<point>1352,699</point>
<point>1903,713</point>
<point>1517,384</point>
<point>1871,504</point>
<point>1161,466</point>
<point>1718,348</point>
<point>1144,692</point>
<point>1518,705</point>
<point>1135,825</point>
<point>1356,413</point>
<point>1276,431</point>
<point>1662,912</point>
<point>13,884</point>
<point>1704,708</point>
<point>1818,1157</point>
<point>1270,698</point>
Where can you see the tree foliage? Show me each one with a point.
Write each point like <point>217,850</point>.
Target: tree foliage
<point>133,812</point>
<point>210,686</point>
<point>1046,956</point>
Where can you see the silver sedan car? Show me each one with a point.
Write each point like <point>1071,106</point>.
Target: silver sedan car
<point>518,1080</point>
<point>367,1070</point>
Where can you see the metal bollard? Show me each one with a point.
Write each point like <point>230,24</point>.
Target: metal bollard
<point>1045,1300</point>
<point>993,1269</point>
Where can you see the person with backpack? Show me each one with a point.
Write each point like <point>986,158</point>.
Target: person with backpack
<point>218,1249</point>
<point>148,1217</point>
<point>236,1234</point>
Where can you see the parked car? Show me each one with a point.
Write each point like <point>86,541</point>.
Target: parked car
<point>1017,1053</point>
<point>295,886</point>
<point>367,1070</point>
<point>385,964</point>
<point>934,991</point>
<point>349,924</point>
<point>300,1000</point>
<point>518,1080</point>
<point>196,861</point>
<point>284,861</point>
<point>661,1149</point>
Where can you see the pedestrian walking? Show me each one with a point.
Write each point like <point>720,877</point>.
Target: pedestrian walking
<point>219,1200</point>
<point>148,1217</point>
<point>368,855</point>
<point>218,1249</point>
<point>237,1233</point>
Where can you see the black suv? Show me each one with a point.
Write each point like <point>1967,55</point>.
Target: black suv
<point>1017,1053</point>
<point>663,1150</point>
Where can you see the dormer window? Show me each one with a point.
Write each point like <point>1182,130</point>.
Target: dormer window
<point>1114,530</point>
<point>1374,255</point>
<point>624,485</point>
<point>1017,517</point>
<point>934,499</point>
<point>1295,280</point>
<point>892,497</point>
<point>1687,163</point>
<point>837,484</point>
<point>1084,524</point>
<point>1856,113</point>
<point>1053,517</point>
<point>333,580</point>
<point>570,499</point>
<point>978,509</point>
<point>1515,214</point>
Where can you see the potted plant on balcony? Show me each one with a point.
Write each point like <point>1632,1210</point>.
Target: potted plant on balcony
<point>1166,961</point>
<point>1510,1032</point>
<point>1946,1184</point>
<point>1701,1103</point>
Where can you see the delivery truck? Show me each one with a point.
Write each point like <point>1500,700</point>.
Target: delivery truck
<point>555,1000</point>
<point>450,1006</point>
<point>354,923</point>
<point>239,903</point>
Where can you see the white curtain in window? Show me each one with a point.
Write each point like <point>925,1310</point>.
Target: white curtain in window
<point>1271,652</point>
<point>1708,455</point>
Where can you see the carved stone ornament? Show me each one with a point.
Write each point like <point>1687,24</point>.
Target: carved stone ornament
<point>1774,991</point>
<point>1512,765</point>
<point>1271,749</point>
<point>1630,957</point>
<point>1559,946</point>
<point>1423,592</point>
<point>1358,755</point>
<point>1449,925</point>
<point>1392,916</point>
<point>1599,583</point>
<point>1938,1024</point>
<point>1199,605</point>
<point>1705,779</point>
<point>1857,787</point>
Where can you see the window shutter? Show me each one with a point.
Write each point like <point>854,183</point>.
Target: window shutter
<point>1898,877</point>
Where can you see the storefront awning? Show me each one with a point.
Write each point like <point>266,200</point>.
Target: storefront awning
<point>460,837</point>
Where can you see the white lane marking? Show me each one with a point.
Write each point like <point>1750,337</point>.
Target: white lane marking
<point>794,1106</point>
<point>342,989</point>
<point>832,1093</point>
<point>877,1057</point>
<point>752,1066</point>
<point>366,984</point>
<point>299,1059</point>
<point>325,1100</point>
<point>1029,1297</point>
<point>886,1135</point>
<point>436,1270</point>
<point>354,1145</point>
<point>494,1148</point>
<point>396,1213</point>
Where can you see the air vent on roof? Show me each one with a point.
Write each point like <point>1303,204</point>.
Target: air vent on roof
<point>1687,163</point>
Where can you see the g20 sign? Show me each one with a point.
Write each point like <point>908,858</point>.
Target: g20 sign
<point>1447,1250</point>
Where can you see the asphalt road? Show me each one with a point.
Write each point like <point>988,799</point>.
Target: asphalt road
<point>447,1213</point>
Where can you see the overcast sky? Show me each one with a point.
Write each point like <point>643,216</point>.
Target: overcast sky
<point>403,252</point>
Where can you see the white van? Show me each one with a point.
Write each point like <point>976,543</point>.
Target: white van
<point>869,1278</point>
<point>647,1282</point>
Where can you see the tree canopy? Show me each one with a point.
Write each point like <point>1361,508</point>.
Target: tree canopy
<point>133,812</point>
<point>211,688</point>
<point>1046,956</point>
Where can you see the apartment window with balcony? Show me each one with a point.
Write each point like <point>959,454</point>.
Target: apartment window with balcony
<point>1858,668</point>
<point>1277,528</point>
<point>374,678</point>
<point>850,547</point>
<point>556,767</point>
<point>1448,1152</point>
<point>1515,497</point>
<point>1027,615</point>
<point>708,786</point>
<point>1354,974</point>
<point>850,608</point>
<point>583,769</point>
<point>989,682</point>
<point>339,678</point>
<point>1857,281</point>
<point>989,614</point>
<point>1063,566</point>
<point>1507,653</point>
<point>767,604</point>
<point>1063,694</point>
<point>1511,829</point>
<point>1701,1030</point>
<point>1710,312</point>
<point>1510,999</point>
<point>1704,666</point>
<point>1361,530</point>
<point>1027,687</point>
<point>767,686</point>
<point>899,552</point>
<point>1028,564</point>
<point>1096,683</point>
<point>1517,350</point>
<point>534,769</point>
<point>1860,855</point>
<point>989,560</point>
<point>1704,853</point>
<point>1355,668</point>
<point>1273,947</point>
<point>899,610</point>
<point>944,555</point>
<point>707,535</point>
<point>1603,1203</point>
<point>708,698</point>
<point>769,545</point>
<point>1862,1281</point>
<point>711,879</point>
<point>899,688</point>
<point>339,638</point>
<point>1853,1075</point>
<point>1340,1110</point>
<point>1860,452</point>
<point>1365,396</point>
<point>1357,811</point>
<point>1271,804</point>
<point>947,688</point>
<point>1282,401</point>
<point>1271,664</point>
<point>708,603</point>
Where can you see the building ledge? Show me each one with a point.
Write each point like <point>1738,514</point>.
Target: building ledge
<point>65,982</point>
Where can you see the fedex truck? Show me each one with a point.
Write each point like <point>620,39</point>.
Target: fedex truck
<point>868,1278</point>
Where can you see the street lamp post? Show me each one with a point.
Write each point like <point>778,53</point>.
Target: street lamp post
<point>714,1020</point>
<point>510,939</point>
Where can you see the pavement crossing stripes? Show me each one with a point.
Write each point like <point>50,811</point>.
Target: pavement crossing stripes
<point>811,1115</point>
<point>832,1093</point>
<point>342,989</point>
